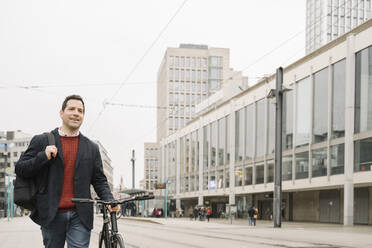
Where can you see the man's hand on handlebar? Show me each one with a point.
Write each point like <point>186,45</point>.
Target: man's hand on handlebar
<point>114,209</point>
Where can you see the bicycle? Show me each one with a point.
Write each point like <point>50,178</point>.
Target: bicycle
<point>110,236</point>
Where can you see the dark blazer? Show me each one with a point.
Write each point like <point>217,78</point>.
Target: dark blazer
<point>88,171</point>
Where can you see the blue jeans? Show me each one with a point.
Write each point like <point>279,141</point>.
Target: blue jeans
<point>66,227</point>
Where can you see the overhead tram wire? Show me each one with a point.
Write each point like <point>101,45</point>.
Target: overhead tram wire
<point>279,46</point>
<point>294,36</point>
<point>140,60</point>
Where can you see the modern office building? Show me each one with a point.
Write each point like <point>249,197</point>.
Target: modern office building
<point>329,19</point>
<point>188,75</point>
<point>226,154</point>
<point>151,172</point>
<point>106,163</point>
<point>12,146</point>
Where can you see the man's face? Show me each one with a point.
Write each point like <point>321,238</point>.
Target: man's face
<point>73,115</point>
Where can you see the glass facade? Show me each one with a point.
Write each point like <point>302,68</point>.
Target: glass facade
<point>302,165</point>
<point>286,168</point>
<point>239,135</point>
<point>287,126</point>
<point>363,91</point>
<point>249,132</point>
<point>337,159</point>
<point>260,127</point>
<point>303,110</point>
<point>213,144</point>
<point>319,162</point>
<point>221,141</point>
<point>338,99</point>
<point>363,155</point>
<point>313,133</point>
<point>320,103</point>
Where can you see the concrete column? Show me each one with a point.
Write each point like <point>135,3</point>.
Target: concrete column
<point>330,90</point>
<point>200,200</point>
<point>294,128</point>
<point>311,122</point>
<point>232,132</point>
<point>349,130</point>
<point>232,198</point>
<point>178,167</point>
<point>201,150</point>
<point>266,139</point>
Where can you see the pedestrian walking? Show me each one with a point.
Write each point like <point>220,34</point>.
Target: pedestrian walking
<point>71,166</point>
<point>255,215</point>
<point>251,213</point>
<point>196,212</point>
<point>209,212</point>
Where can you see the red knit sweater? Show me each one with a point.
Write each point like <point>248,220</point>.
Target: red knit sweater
<point>69,152</point>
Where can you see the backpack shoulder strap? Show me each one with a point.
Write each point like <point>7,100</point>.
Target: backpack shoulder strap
<point>43,186</point>
<point>51,139</point>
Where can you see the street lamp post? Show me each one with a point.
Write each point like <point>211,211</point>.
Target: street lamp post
<point>166,199</point>
<point>278,149</point>
<point>278,94</point>
<point>133,159</point>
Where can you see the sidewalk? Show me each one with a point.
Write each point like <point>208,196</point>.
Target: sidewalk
<point>21,232</point>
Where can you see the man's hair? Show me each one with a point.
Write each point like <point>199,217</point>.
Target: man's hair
<point>72,97</point>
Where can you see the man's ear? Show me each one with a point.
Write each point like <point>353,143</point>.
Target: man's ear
<point>60,113</point>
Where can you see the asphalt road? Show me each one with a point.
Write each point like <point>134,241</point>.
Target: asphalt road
<point>161,233</point>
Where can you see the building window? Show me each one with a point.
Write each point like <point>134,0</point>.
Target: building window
<point>337,159</point>
<point>363,155</point>
<point>239,135</point>
<point>319,162</point>
<point>221,141</point>
<point>249,132</point>
<point>248,175</point>
<point>260,127</point>
<point>287,120</point>
<point>270,171</point>
<point>228,121</point>
<point>302,165</point>
<point>338,99</point>
<point>303,112</point>
<point>287,168</point>
<point>363,91</point>
<point>320,117</point>
<point>205,146</point>
<point>271,123</point>
<point>213,143</point>
<point>238,177</point>
<point>260,172</point>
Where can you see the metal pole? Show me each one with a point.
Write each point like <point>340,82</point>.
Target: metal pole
<point>133,171</point>
<point>166,200</point>
<point>4,169</point>
<point>278,149</point>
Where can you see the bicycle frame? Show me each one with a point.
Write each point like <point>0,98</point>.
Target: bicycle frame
<point>105,228</point>
<point>111,236</point>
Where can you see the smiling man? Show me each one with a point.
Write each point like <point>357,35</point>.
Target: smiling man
<point>65,170</point>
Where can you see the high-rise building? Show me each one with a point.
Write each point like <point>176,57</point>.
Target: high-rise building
<point>329,19</point>
<point>106,164</point>
<point>151,171</point>
<point>12,145</point>
<point>188,75</point>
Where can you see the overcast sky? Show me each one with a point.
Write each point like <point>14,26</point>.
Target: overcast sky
<point>91,48</point>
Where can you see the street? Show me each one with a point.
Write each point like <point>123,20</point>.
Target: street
<point>160,233</point>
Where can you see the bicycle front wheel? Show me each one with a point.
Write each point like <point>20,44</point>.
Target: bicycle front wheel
<point>117,241</point>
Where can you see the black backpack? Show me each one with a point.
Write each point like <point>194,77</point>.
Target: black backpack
<point>25,189</point>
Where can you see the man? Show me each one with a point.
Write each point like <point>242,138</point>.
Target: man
<point>71,165</point>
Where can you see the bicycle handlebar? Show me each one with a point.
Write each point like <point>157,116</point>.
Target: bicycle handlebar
<point>113,202</point>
